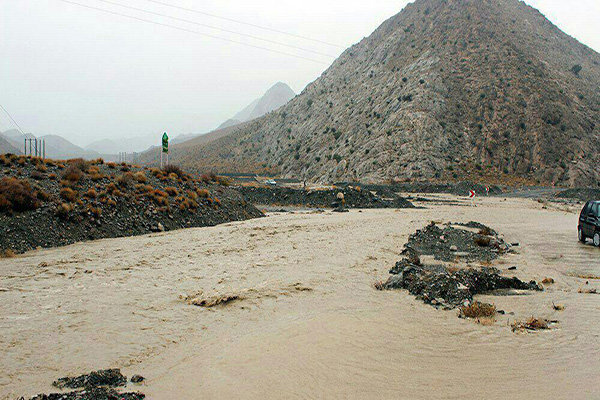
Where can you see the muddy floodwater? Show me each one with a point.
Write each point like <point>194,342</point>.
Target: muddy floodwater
<point>307,323</point>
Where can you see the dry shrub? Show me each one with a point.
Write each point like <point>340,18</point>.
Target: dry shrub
<point>379,285</point>
<point>93,170</point>
<point>97,177</point>
<point>38,176</point>
<point>532,324</point>
<point>68,194</point>
<point>159,197</point>
<point>111,165</point>
<point>192,195</point>
<point>63,210</point>
<point>140,177</point>
<point>156,172</point>
<point>111,202</point>
<point>99,161</point>
<point>173,169</point>
<point>95,211</point>
<point>587,291</point>
<point>124,180</point>
<point>223,181</point>
<point>52,176</point>
<point>171,191</point>
<point>91,193</point>
<point>7,253</point>
<point>208,178</point>
<point>558,307</point>
<point>548,281</point>
<point>4,160</point>
<point>42,195</point>
<point>41,168</point>
<point>143,188</point>
<point>72,174</point>
<point>203,193</point>
<point>17,195</point>
<point>482,241</point>
<point>80,164</point>
<point>111,188</point>
<point>22,161</point>
<point>478,310</point>
<point>486,231</point>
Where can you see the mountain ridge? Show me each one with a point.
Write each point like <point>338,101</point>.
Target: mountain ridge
<point>441,89</point>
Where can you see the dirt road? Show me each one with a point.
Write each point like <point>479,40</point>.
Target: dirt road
<point>308,324</point>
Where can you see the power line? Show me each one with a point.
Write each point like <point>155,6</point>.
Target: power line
<point>191,31</point>
<point>216,28</point>
<point>244,23</point>
<point>12,119</point>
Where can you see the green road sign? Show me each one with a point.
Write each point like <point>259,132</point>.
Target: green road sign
<point>165,143</point>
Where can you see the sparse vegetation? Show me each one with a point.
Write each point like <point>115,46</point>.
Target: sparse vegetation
<point>478,310</point>
<point>17,195</point>
<point>68,194</point>
<point>532,324</point>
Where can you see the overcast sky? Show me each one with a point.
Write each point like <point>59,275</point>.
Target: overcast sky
<point>87,75</point>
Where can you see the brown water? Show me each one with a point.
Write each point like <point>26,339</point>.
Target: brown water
<point>116,303</point>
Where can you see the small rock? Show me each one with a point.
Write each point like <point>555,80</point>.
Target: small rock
<point>453,248</point>
<point>137,378</point>
<point>512,268</point>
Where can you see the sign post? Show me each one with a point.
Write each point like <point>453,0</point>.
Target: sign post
<point>165,149</point>
<point>472,195</point>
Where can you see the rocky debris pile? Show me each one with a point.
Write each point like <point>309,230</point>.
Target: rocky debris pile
<point>354,197</point>
<point>104,377</point>
<point>97,385</point>
<point>76,200</point>
<point>448,243</point>
<point>453,287</point>
<point>459,189</point>
<point>579,194</point>
<point>442,287</point>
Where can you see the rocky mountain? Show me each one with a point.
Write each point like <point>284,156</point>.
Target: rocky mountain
<point>278,95</point>
<point>444,89</point>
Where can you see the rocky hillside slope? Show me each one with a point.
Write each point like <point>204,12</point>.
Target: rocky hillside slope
<point>47,203</point>
<point>444,89</point>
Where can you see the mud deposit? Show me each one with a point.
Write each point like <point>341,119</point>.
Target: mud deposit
<point>354,197</point>
<point>97,385</point>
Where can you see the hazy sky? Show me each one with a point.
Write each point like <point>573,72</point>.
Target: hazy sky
<point>87,75</point>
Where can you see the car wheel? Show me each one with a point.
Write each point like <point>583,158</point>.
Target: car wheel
<point>580,235</point>
<point>597,239</point>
